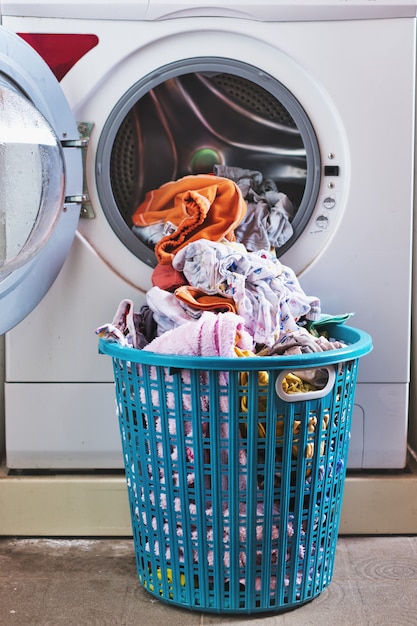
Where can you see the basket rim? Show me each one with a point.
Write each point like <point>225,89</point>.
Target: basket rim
<point>359,343</point>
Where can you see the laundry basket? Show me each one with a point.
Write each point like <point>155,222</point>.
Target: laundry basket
<point>235,485</point>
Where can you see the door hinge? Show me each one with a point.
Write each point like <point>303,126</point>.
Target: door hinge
<point>84,129</point>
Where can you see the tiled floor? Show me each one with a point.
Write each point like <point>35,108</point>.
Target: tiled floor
<point>73,582</point>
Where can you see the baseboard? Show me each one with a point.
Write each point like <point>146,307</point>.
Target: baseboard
<point>96,505</point>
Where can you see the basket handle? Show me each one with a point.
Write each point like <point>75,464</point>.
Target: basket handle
<point>308,395</point>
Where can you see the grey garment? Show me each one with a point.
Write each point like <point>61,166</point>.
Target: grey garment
<point>150,235</point>
<point>267,222</point>
<point>301,342</point>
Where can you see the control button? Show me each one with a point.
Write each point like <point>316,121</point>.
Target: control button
<point>329,202</point>
<point>322,222</point>
<point>331,170</point>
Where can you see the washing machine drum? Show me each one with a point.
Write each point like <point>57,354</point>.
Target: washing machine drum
<point>207,117</point>
<point>31,179</point>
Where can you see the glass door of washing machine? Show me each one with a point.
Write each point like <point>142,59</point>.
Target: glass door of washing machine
<point>40,179</point>
<point>212,116</point>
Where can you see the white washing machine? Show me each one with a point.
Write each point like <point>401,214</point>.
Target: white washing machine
<point>318,96</point>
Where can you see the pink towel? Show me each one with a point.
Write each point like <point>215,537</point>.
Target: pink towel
<point>212,334</point>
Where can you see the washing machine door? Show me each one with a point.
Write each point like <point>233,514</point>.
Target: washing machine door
<point>40,179</point>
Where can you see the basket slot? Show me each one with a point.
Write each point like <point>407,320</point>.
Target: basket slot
<point>307,395</point>
<point>234,497</point>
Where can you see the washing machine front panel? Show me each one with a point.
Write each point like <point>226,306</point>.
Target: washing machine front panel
<point>355,264</point>
<point>37,220</point>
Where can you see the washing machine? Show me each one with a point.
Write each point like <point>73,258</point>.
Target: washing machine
<point>318,96</point>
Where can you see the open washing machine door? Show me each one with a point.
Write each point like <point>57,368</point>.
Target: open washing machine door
<point>41,177</point>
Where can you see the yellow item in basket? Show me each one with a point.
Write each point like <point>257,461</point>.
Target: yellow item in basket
<point>290,384</point>
<point>311,427</point>
<point>169,578</point>
<point>294,384</point>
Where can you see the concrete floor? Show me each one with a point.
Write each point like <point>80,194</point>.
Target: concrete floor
<point>83,582</point>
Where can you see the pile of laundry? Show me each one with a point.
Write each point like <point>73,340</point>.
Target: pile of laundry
<point>215,238</point>
<point>220,290</point>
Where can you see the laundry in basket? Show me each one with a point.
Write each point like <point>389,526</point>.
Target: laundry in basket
<point>234,417</point>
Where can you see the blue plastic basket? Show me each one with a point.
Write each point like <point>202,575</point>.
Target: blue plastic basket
<point>235,486</point>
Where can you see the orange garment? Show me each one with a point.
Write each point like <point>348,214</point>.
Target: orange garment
<point>193,207</point>
<point>198,299</point>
